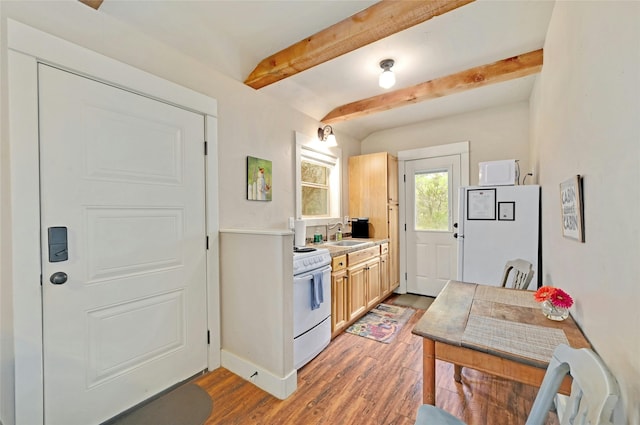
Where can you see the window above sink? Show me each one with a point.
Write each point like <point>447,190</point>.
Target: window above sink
<point>318,181</point>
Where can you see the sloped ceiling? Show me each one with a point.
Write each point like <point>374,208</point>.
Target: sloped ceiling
<point>233,37</point>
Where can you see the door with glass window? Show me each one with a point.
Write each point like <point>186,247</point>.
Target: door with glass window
<point>431,189</point>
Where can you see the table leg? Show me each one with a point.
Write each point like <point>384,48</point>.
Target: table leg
<point>428,371</point>
<point>457,373</point>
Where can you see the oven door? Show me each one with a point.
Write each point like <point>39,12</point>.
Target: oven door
<point>304,318</point>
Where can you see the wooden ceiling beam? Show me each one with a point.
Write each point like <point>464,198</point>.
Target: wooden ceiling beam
<point>92,3</point>
<point>480,76</point>
<point>372,24</point>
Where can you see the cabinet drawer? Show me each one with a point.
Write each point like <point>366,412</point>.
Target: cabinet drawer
<point>338,263</point>
<point>384,248</point>
<point>362,255</point>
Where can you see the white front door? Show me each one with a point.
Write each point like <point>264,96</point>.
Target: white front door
<point>124,174</point>
<point>431,189</point>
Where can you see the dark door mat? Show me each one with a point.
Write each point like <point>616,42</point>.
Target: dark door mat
<point>414,301</point>
<point>186,405</point>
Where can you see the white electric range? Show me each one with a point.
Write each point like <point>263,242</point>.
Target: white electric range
<point>311,304</point>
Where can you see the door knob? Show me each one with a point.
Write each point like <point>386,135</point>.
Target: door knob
<point>455,235</point>
<point>58,278</point>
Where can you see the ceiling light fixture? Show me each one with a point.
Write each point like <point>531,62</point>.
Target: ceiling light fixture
<point>387,78</point>
<point>325,134</point>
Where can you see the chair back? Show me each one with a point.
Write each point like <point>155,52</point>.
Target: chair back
<point>522,273</point>
<point>594,391</point>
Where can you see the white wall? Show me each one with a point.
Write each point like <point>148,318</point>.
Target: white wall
<point>493,134</point>
<point>6,293</point>
<point>250,123</point>
<point>257,308</point>
<point>586,120</point>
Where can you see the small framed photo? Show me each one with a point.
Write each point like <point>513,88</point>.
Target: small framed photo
<point>481,204</point>
<point>572,208</point>
<point>259,179</point>
<point>507,211</point>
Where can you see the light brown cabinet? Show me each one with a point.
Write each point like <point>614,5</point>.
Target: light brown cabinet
<point>357,288</point>
<point>339,298</point>
<point>357,281</point>
<point>372,277</point>
<point>373,193</point>
<point>385,283</point>
<point>394,251</point>
<point>339,295</point>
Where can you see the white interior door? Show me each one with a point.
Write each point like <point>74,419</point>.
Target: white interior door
<point>431,189</point>
<point>124,174</point>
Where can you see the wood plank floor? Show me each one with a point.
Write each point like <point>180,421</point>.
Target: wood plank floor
<point>361,381</point>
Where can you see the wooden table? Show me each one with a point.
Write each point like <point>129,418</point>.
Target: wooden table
<point>494,330</point>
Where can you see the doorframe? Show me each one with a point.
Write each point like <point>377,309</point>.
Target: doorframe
<point>458,148</point>
<point>27,47</point>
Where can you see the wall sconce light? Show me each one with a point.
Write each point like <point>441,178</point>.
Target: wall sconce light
<point>325,134</point>
<point>387,78</point>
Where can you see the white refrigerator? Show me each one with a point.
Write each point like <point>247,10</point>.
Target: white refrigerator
<point>497,224</point>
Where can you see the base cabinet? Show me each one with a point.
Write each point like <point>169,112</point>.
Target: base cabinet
<point>357,288</point>
<point>372,276</point>
<point>385,283</point>
<point>359,281</point>
<point>339,299</point>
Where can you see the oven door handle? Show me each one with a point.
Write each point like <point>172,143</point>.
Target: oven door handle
<point>310,276</point>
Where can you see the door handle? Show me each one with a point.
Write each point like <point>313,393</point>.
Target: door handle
<point>58,278</point>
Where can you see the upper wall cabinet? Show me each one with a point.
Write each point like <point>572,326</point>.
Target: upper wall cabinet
<point>373,185</point>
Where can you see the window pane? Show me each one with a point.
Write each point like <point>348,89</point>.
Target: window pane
<point>313,173</point>
<point>432,201</point>
<point>315,201</point>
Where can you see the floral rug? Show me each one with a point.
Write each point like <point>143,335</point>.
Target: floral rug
<point>382,323</point>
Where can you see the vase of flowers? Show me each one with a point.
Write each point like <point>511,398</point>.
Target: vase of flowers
<point>555,302</point>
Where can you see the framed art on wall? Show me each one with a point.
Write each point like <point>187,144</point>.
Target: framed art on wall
<point>481,204</point>
<point>507,211</point>
<point>259,179</point>
<point>572,208</point>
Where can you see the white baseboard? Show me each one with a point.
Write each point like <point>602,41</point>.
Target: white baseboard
<point>280,387</point>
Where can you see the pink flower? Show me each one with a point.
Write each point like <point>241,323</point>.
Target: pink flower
<point>555,296</point>
<point>561,299</point>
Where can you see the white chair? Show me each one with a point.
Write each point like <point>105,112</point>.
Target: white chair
<point>594,392</point>
<point>522,273</point>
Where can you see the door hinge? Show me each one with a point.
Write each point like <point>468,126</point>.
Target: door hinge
<point>206,150</point>
<point>208,337</point>
<point>40,279</point>
<point>207,242</point>
<point>405,276</point>
<point>404,178</point>
<point>405,227</point>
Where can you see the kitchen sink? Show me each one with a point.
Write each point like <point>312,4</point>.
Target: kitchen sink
<point>346,243</point>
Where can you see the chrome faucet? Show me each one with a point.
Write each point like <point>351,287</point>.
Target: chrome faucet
<point>329,227</point>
